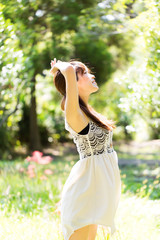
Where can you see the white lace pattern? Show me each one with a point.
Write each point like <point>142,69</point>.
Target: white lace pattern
<point>97,141</point>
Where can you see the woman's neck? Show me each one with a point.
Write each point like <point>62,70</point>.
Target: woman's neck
<point>85,99</point>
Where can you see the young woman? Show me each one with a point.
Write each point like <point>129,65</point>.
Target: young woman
<point>92,190</point>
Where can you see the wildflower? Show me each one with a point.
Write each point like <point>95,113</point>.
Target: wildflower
<point>145,181</point>
<point>156,182</point>
<point>31,167</point>
<point>31,175</point>
<point>37,157</point>
<point>45,160</point>
<point>30,171</point>
<point>48,171</point>
<point>21,169</point>
<point>43,177</point>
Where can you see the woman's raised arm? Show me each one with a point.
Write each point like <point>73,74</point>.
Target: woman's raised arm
<point>72,108</point>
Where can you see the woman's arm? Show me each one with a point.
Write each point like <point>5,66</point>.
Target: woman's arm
<point>72,108</point>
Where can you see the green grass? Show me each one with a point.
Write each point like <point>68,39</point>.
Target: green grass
<point>27,204</point>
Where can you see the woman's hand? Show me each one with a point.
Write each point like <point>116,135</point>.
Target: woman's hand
<point>59,65</point>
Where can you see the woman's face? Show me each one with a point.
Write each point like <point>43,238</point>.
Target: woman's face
<point>86,83</point>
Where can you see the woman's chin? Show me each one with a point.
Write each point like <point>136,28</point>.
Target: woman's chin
<point>95,89</point>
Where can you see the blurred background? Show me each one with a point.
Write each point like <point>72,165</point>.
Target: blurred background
<point>120,41</point>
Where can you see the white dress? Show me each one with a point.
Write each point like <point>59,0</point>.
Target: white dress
<point>92,190</point>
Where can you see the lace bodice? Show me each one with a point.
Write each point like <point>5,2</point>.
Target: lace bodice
<point>97,141</point>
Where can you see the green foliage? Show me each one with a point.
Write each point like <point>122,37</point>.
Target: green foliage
<point>146,181</point>
<point>8,139</point>
<point>119,40</point>
<point>27,43</point>
<point>11,67</point>
<point>97,54</point>
<point>142,79</point>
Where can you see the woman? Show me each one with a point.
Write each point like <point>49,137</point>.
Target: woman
<point>92,190</point>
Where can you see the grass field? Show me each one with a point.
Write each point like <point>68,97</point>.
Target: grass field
<point>29,192</point>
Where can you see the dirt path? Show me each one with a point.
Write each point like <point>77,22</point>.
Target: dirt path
<point>134,148</point>
<point>135,162</point>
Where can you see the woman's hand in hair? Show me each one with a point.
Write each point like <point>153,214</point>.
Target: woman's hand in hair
<point>59,65</point>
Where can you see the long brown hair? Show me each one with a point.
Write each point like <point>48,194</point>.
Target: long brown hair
<point>60,84</point>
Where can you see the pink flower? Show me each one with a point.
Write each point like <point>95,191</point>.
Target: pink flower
<point>48,171</point>
<point>29,159</point>
<point>30,172</point>
<point>43,177</point>
<point>31,167</point>
<point>21,169</point>
<point>45,160</point>
<point>37,157</point>
<point>31,175</point>
<point>37,154</point>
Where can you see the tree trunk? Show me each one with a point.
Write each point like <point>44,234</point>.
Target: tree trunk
<point>35,143</point>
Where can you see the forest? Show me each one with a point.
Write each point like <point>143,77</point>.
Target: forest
<point>119,40</point>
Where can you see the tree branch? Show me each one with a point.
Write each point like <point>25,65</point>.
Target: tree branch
<point>7,116</point>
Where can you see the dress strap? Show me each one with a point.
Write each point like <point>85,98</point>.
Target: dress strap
<point>85,130</point>
<point>68,127</point>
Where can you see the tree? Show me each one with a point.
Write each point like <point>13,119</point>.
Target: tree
<point>48,19</point>
<point>142,78</point>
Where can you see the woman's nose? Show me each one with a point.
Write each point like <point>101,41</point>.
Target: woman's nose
<point>93,76</point>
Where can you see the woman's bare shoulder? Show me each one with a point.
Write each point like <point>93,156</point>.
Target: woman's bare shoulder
<point>77,121</point>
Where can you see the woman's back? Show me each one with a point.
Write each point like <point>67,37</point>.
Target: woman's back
<point>96,141</point>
